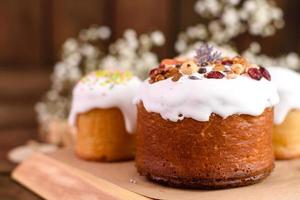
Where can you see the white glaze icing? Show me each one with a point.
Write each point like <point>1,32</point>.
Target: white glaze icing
<point>287,83</point>
<point>198,99</point>
<point>94,93</point>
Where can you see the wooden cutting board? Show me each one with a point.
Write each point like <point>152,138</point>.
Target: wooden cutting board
<point>61,175</point>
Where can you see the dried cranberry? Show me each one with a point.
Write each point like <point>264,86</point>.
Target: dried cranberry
<point>227,62</point>
<point>161,66</point>
<point>214,74</point>
<point>152,71</point>
<point>255,73</point>
<point>265,73</point>
<point>202,70</point>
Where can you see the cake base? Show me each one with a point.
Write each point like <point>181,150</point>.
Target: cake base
<point>286,137</point>
<point>207,184</point>
<point>219,153</point>
<point>102,136</point>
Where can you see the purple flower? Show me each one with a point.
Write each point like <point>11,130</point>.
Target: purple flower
<point>206,53</point>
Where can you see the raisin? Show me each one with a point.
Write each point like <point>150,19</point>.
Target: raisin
<point>202,70</point>
<point>204,64</point>
<point>227,62</point>
<point>178,66</point>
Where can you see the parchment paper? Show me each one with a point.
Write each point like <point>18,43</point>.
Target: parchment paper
<point>283,184</point>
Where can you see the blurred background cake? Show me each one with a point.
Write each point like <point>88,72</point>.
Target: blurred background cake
<point>104,116</point>
<point>286,137</point>
<point>206,122</point>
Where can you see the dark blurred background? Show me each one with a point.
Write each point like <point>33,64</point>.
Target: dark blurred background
<point>32,32</point>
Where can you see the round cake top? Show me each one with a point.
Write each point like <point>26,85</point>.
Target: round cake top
<point>106,89</point>
<point>287,83</point>
<point>103,78</point>
<point>210,65</point>
<point>209,83</point>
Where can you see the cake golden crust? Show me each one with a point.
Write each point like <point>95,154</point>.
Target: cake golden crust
<point>101,136</point>
<point>219,153</point>
<point>286,137</point>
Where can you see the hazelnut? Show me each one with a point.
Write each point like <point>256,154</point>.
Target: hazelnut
<point>173,70</point>
<point>176,77</point>
<point>238,68</point>
<point>239,60</point>
<point>219,67</point>
<point>189,67</point>
<point>231,75</point>
<point>159,77</point>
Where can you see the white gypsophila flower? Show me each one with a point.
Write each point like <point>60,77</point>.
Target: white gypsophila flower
<point>64,71</point>
<point>70,46</point>
<point>88,50</point>
<point>157,38</point>
<point>103,32</point>
<point>149,58</point>
<point>199,8</point>
<point>180,46</point>
<point>232,2</point>
<point>207,7</point>
<point>230,17</point>
<point>132,43</point>
<point>127,53</point>
<point>126,64</point>
<point>243,15</point>
<point>95,33</point>
<point>255,47</point>
<point>109,62</point>
<point>145,41</point>
<point>269,30</point>
<point>89,34</point>
<point>73,59</point>
<point>276,13</point>
<point>215,26</point>
<point>249,6</point>
<point>194,32</point>
<point>279,23</point>
<point>201,31</point>
<point>293,60</point>
<point>129,34</point>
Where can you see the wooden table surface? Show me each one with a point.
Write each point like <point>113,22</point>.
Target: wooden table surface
<point>9,189</point>
<point>19,91</point>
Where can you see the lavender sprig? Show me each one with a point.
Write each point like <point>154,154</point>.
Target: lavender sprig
<point>206,53</point>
